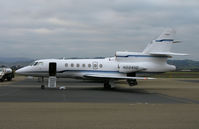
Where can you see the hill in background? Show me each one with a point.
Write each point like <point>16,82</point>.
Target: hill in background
<point>185,64</point>
<point>14,62</point>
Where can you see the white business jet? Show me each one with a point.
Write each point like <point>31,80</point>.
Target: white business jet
<point>123,66</point>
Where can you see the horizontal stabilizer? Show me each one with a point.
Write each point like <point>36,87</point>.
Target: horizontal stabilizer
<point>169,54</point>
<point>115,77</point>
<point>176,41</point>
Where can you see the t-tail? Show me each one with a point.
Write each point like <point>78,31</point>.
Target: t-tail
<point>154,57</point>
<point>162,45</point>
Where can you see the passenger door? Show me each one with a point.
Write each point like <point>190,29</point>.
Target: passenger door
<point>52,68</point>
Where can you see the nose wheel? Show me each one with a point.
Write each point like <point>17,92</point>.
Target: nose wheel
<point>42,87</point>
<point>42,83</point>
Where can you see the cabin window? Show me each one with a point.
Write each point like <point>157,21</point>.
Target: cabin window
<point>100,65</point>
<point>83,65</point>
<point>89,65</point>
<point>95,65</point>
<point>77,65</point>
<point>66,65</point>
<point>72,65</point>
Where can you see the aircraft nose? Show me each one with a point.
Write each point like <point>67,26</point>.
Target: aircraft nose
<point>21,71</point>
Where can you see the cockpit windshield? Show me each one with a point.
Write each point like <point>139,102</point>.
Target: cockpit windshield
<point>36,63</point>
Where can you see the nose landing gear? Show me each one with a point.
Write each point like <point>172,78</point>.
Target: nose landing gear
<point>42,83</point>
<point>42,87</point>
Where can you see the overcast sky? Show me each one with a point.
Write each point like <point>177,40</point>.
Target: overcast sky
<point>88,28</point>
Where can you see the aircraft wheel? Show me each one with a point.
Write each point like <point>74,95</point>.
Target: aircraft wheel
<point>42,87</point>
<point>9,78</point>
<point>107,85</point>
<point>132,82</point>
<point>2,79</point>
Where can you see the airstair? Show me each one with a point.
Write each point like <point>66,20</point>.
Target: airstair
<point>52,82</point>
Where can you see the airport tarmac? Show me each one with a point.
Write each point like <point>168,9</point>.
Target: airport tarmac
<point>28,90</point>
<point>153,104</point>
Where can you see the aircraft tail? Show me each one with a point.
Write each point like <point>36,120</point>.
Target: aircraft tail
<point>162,43</point>
<point>160,47</point>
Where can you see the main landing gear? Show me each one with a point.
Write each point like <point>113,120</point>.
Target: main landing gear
<point>132,82</point>
<point>107,85</point>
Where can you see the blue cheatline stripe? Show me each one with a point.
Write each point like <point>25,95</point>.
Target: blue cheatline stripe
<point>171,40</point>
<point>98,71</point>
<point>141,56</point>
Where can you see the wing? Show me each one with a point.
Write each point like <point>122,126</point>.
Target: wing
<point>95,76</point>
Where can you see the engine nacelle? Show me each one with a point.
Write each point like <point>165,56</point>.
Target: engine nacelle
<point>129,68</point>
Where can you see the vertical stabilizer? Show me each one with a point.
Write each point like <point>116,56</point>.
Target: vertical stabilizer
<point>162,43</point>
